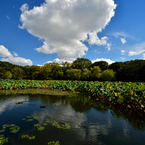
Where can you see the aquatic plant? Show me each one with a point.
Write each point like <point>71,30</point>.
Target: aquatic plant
<point>13,128</point>
<point>3,139</point>
<point>65,126</point>
<point>29,120</point>
<point>53,143</point>
<point>39,127</point>
<point>28,137</point>
<point>35,117</point>
<point>2,130</point>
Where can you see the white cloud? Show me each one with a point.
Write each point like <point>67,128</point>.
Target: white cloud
<point>122,52</point>
<point>15,54</point>
<point>94,39</point>
<point>63,24</point>
<point>137,49</point>
<point>7,56</point>
<point>122,34</point>
<point>4,52</point>
<point>18,60</point>
<point>144,56</point>
<point>104,59</point>
<point>131,53</point>
<point>123,40</point>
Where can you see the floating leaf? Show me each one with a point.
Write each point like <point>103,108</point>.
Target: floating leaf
<point>3,139</point>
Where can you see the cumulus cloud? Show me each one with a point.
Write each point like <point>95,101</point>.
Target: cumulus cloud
<point>4,52</point>
<point>104,59</point>
<point>94,39</point>
<point>65,24</point>
<point>18,60</point>
<point>123,40</point>
<point>7,56</point>
<point>122,52</point>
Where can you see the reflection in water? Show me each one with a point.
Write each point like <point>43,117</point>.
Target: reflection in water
<point>92,123</point>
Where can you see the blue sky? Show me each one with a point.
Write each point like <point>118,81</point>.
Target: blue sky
<point>41,31</point>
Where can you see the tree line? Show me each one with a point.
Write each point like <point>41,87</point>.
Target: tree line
<point>80,69</point>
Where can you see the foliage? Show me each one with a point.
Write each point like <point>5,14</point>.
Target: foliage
<point>85,74</point>
<point>28,137</point>
<point>81,63</point>
<point>17,73</point>
<point>3,139</point>
<point>121,92</point>
<point>8,75</point>
<point>96,73</point>
<point>54,143</point>
<point>102,64</point>
<point>108,75</point>
<point>74,74</point>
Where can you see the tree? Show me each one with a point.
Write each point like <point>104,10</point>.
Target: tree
<point>102,64</point>
<point>17,73</point>
<point>85,74</point>
<point>34,72</point>
<point>116,66</point>
<point>73,74</point>
<point>81,63</point>
<point>108,75</point>
<point>46,73</point>
<point>2,72</point>
<point>56,72</point>
<point>95,73</point>
<point>8,75</point>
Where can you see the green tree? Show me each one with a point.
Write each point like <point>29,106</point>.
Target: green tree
<point>17,73</point>
<point>116,66</point>
<point>8,75</point>
<point>34,72</point>
<point>108,75</point>
<point>81,63</point>
<point>56,72</point>
<point>46,73</point>
<point>2,72</point>
<point>102,64</point>
<point>73,74</point>
<point>86,73</point>
<point>95,73</point>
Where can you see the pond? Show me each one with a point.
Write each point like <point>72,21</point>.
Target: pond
<point>66,120</point>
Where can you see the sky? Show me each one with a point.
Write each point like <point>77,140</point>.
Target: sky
<point>42,31</point>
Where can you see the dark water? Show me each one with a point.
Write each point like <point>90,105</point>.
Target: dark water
<point>91,123</point>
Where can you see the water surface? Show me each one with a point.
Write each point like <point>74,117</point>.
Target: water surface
<point>91,123</point>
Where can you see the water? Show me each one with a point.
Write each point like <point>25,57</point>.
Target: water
<point>91,123</point>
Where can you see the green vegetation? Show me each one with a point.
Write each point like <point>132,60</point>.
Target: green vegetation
<point>3,139</point>
<point>39,127</point>
<point>28,137</point>
<point>80,69</point>
<point>13,128</point>
<point>54,143</point>
<point>114,92</point>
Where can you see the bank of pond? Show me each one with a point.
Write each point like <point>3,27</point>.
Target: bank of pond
<point>127,95</point>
